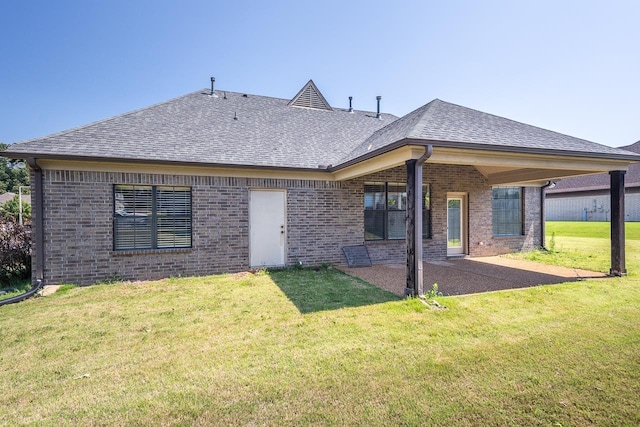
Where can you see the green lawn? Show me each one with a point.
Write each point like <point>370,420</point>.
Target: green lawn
<point>587,245</point>
<point>600,230</point>
<point>14,288</point>
<point>302,347</point>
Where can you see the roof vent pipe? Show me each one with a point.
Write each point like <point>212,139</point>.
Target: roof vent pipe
<point>212,94</point>
<point>350,107</point>
<point>378,98</point>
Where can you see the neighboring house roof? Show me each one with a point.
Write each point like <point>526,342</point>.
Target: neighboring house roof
<point>235,129</point>
<point>5,197</point>
<point>599,181</point>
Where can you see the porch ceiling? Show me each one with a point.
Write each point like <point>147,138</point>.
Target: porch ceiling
<point>499,167</point>
<point>524,176</point>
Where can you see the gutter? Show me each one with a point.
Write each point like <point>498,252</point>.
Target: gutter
<point>374,153</point>
<point>165,162</point>
<point>428,151</point>
<point>632,157</point>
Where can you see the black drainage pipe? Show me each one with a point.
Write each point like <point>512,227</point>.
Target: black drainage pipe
<point>24,296</point>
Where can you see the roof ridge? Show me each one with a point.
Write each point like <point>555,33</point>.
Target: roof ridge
<point>422,122</point>
<point>390,127</point>
<point>632,147</point>
<point>204,91</point>
<point>518,122</point>
<point>383,129</point>
<point>218,91</point>
<point>117,116</point>
<point>341,109</point>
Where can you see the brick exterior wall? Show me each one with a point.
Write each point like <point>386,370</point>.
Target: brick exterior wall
<point>444,179</point>
<point>322,217</point>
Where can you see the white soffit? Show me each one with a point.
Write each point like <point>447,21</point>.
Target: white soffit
<point>505,167</point>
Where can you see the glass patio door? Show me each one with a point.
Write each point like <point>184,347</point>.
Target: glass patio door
<point>455,226</point>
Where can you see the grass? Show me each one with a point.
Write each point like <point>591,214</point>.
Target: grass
<point>300,347</point>
<point>598,230</point>
<point>313,292</point>
<point>586,245</point>
<point>14,287</point>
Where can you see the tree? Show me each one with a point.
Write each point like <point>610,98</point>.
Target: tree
<point>15,251</point>
<point>11,209</point>
<point>13,173</point>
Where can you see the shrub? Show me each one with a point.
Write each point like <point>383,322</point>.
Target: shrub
<point>552,243</point>
<point>15,250</point>
<point>433,292</point>
<point>11,209</point>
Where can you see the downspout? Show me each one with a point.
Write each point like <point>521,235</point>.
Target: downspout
<point>543,219</point>
<point>428,151</point>
<point>39,219</point>
<point>38,234</point>
<point>417,267</point>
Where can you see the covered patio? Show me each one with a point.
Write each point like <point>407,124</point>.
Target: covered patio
<point>504,153</point>
<point>472,275</point>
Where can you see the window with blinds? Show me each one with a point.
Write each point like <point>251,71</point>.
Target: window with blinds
<point>151,217</point>
<point>507,211</point>
<point>385,206</point>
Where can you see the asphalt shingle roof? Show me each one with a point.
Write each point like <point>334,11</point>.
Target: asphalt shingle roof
<point>599,181</point>
<point>250,130</point>
<point>230,129</point>
<point>448,124</point>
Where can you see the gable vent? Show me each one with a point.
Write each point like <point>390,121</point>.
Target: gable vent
<point>310,97</point>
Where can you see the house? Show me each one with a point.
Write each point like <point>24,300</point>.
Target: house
<point>5,197</point>
<point>218,181</point>
<point>586,198</point>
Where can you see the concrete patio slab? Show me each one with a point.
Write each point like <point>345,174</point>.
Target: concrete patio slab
<point>472,275</point>
<point>49,290</point>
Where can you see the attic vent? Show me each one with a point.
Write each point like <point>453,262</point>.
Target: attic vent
<point>310,97</point>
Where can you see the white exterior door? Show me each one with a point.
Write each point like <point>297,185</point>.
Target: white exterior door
<point>267,228</point>
<point>456,226</point>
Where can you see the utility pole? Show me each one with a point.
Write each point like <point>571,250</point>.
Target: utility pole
<point>20,201</point>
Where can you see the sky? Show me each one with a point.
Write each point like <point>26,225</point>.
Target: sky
<point>568,66</point>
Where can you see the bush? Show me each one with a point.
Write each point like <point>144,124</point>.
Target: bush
<point>11,209</point>
<point>15,250</point>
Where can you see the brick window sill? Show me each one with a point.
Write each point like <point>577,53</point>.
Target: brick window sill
<point>151,251</point>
